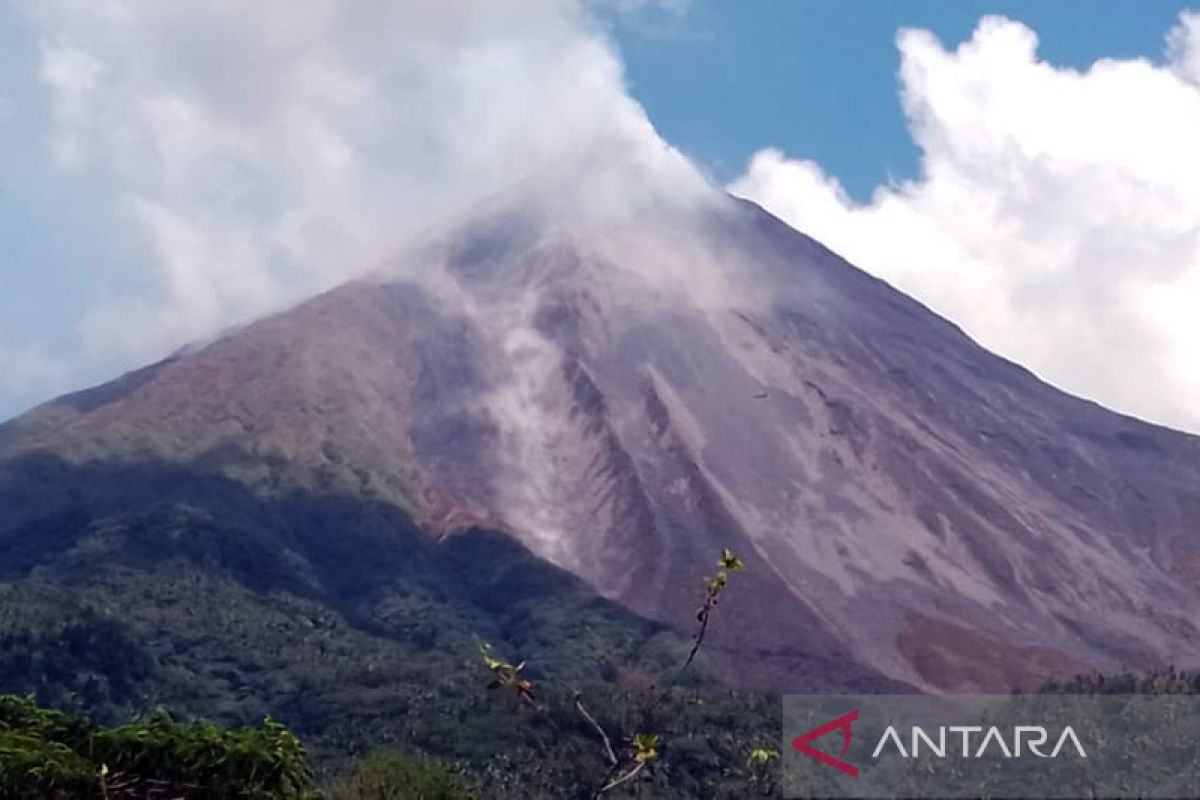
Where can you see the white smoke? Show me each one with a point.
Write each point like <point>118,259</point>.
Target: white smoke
<point>264,151</point>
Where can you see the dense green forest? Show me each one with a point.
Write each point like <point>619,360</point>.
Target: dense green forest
<point>466,719</point>
<point>551,745</point>
<point>51,754</point>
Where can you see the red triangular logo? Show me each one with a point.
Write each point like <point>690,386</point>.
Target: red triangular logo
<point>843,722</point>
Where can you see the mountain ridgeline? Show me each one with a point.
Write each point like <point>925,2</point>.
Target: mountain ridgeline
<point>540,432</point>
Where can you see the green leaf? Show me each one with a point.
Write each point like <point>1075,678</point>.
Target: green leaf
<point>645,747</point>
<point>762,755</point>
<point>730,561</point>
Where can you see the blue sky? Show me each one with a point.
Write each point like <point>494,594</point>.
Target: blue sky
<point>168,170</point>
<point>818,79</point>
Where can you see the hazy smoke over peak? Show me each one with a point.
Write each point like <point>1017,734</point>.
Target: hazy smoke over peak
<point>263,151</point>
<point>259,152</point>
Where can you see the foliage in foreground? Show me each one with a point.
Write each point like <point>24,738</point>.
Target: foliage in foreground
<point>50,754</point>
<point>637,751</point>
<point>551,752</point>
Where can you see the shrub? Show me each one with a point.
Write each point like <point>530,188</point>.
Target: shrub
<point>49,754</point>
<point>393,775</point>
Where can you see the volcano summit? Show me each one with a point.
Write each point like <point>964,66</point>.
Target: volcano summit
<point>622,395</point>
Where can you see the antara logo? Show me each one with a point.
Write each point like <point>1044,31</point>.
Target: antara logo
<point>1024,738</point>
<point>843,722</point>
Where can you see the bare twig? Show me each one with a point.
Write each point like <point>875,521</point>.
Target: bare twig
<point>626,778</point>
<point>703,617</point>
<point>613,769</point>
<point>660,695</point>
<point>645,745</point>
<point>612,757</point>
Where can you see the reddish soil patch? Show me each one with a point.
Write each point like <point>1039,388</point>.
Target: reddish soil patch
<point>954,658</point>
<point>443,515</point>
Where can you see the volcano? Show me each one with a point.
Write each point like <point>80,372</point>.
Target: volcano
<point>618,398</point>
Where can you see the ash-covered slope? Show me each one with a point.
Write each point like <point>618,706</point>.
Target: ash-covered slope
<point>627,395</point>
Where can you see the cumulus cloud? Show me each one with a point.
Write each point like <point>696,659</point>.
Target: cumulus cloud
<point>1056,215</point>
<point>1183,47</point>
<point>262,151</point>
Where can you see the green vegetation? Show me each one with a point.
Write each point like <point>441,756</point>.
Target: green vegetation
<point>393,775</point>
<point>1150,682</point>
<point>349,625</point>
<point>547,749</point>
<point>708,746</point>
<point>49,754</point>
<point>548,753</point>
<point>357,631</point>
<point>635,754</point>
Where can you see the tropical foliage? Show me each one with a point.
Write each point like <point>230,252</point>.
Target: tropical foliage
<point>50,754</point>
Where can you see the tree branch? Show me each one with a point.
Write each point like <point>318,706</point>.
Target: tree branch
<point>612,757</point>
<point>626,778</point>
<point>695,647</point>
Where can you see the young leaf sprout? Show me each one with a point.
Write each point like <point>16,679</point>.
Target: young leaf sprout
<point>641,749</point>
<point>505,675</point>
<point>758,771</point>
<point>713,587</point>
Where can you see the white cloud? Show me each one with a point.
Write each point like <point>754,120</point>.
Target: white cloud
<point>1056,216</point>
<point>263,151</point>
<point>1183,47</point>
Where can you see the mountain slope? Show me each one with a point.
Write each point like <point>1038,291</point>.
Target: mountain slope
<point>625,395</point>
<point>158,584</point>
